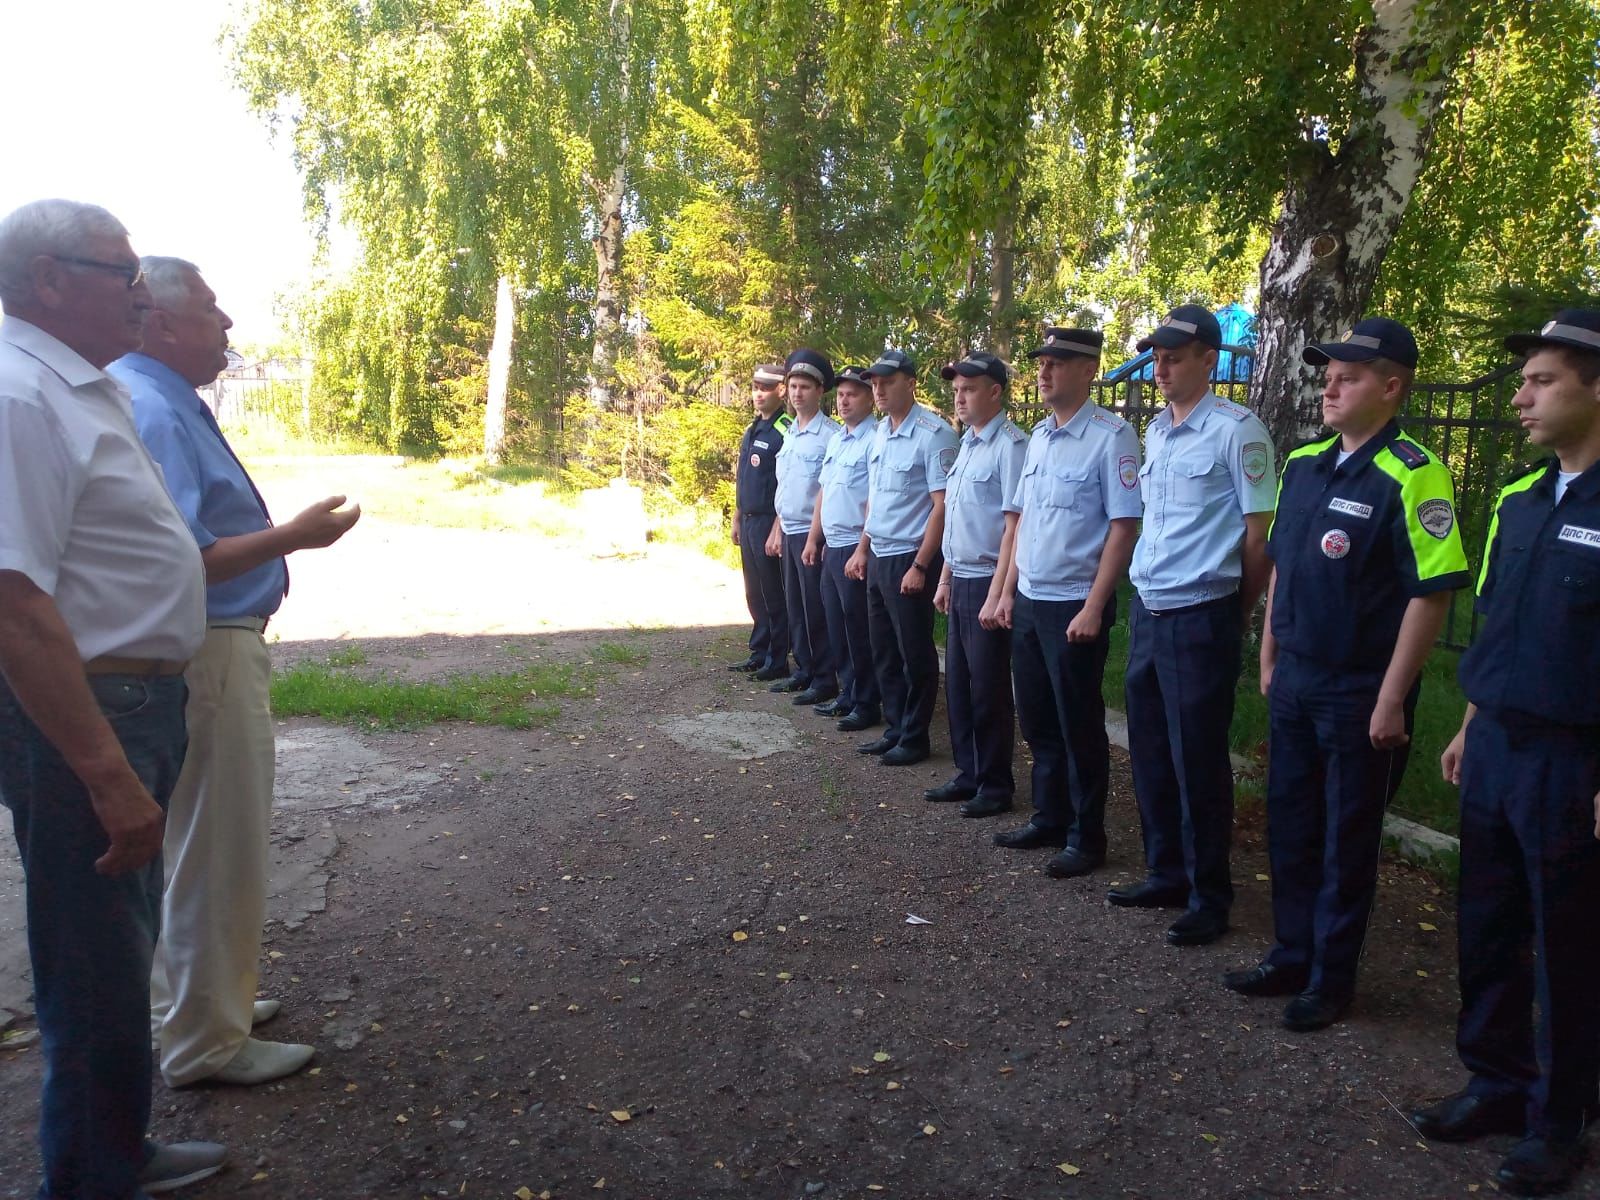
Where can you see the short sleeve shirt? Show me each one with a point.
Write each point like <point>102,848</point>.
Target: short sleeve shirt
<point>1077,478</point>
<point>905,467</point>
<point>1537,650</point>
<point>84,513</point>
<point>1200,480</point>
<point>800,470</point>
<point>983,477</point>
<point>844,484</point>
<point>1354,542</point>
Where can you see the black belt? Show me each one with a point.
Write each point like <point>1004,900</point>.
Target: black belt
<point>1230,598</point>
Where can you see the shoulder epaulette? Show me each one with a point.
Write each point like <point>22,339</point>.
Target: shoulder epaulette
<point>1408,452</point>
<point>928,421</point>
<point>1012,432</point>
<point>1228,408</point>
<point>1109,419</point>
<point>782,421</point>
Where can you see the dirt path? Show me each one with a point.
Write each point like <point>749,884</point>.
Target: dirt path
<point>530,936</point>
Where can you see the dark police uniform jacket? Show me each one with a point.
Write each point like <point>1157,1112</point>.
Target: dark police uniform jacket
<point>756,480</point>
<point>1353,544</point>
<point>1537,653</point>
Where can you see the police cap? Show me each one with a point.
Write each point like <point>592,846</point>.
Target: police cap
<point>853,375</point>
<point>768,374</point>
<point>978,365</point>
<point>1575,327</point>
<point>1370,338</point>
<point>1184,324</point>
<point>891,361</point>
<point>811,365</point>
<point>1060,342</point>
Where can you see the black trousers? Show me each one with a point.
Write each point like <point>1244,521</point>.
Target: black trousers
<point>1530,889</point>
<point>845,602</point>
<point>903,654</point>
<point>977,681</point>
<point>1327,790</point>
<point>1183,667</point>
<point>1062,713</point>
<point>763,590</point>
<point>808,623</point>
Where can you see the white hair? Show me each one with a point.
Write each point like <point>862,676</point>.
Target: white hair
<point>46,227</point>
<point>171,280</point>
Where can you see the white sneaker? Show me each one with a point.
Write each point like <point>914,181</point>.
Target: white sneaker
<point>181,1164</point>
<point>262,1062</point>
<point>264,1010</point>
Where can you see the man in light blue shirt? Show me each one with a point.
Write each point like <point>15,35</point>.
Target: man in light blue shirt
<point>836,526</point>
<point>899,555</point>
<point>218,823</point>
<point>1079,504</point>
<point>977,657</point>
<point>807,376</point>
<point>1199,567</point>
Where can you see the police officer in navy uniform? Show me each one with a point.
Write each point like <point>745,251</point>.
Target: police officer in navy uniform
<point>899,555</point>
<point>1198,569</point>
<point>808,376</point>
<point>1079,507</point>
<point>1527,760</point>
<point>977,657</point>
<point>754,515</point>
<point>1366,553</point>
<point>836,527</point>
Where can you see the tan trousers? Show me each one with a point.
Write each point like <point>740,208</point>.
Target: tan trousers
<point>203,983</point>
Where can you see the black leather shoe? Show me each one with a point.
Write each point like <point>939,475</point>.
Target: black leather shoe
<point>985,805</point>
<point>1031,837</point>
<point>1311,1011</point>
<point>949,792</point>
<point>902,756</point>
<point>792,684</point>
<point>775,671</point>
<point>856,721</point>
<point>1148,894</point>
<point>1464,1116</point>
<point>814,695</point>
<point>882,746</point>
<point>833,708</point>
<point>1540,1165</point>
<point>1197,928</point>
<point>750,664</point>
<point>1267,979</point>
<point>1071,863</point>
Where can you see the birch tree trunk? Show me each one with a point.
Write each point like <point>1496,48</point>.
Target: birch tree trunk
<point>612,189</point>
<point>1002,284</point>
<point>494,413</point>
<point>1340,215</point>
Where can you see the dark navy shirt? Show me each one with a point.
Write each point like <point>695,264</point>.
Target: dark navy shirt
<point>1353,543</point>
<point>1537,653</point>
<point>756,481</point>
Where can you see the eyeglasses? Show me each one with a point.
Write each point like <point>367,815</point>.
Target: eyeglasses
<point>133,273</point>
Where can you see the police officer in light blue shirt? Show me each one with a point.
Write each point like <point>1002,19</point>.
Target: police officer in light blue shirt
<point>1080,505</point>
<point>899,555</point>
<point>807,376</point>
<point>978,649</point>
<point>1198,569</point>
<point>836,527</point>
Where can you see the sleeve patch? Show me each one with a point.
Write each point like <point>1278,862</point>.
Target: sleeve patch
<point>1253,460</point>
<point>1128,472</point>
<point>1437,517</point>
<point>947,458</point>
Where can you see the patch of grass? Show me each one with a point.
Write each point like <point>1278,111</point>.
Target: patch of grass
<point>618,655</point>
<point>517,701</point>
<point>348,656</point>
<point>698,526</point>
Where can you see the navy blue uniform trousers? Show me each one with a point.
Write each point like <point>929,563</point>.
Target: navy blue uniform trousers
<point>977,681</point>
<point>1327,789</point>
<point>903,654</point>
<point>1182,669</point>
<point>763,591</point>
<point>1062,714</point>
<point>1530,890</point>
<point>845,602</point>
<point>808,623</point>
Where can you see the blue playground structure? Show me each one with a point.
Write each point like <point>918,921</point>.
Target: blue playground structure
<point>1233,364</point>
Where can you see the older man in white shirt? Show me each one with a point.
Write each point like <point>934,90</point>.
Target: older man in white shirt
<point>102,603</point>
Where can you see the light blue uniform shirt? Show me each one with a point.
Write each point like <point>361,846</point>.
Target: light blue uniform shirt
<point>1077,478</point>
<point>844,484</point>
<point>800,470</point>
<point>905,467</point>
<point>207,483</point>
<point>1200,479</point>
<point>984,477</point>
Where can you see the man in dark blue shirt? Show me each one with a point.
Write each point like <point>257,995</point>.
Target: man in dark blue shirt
<point>754,511</point>
<point>1366,552</point>
<point>1527,760</point>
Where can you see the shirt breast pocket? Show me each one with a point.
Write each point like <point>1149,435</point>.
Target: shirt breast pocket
<point>1068,487</point>
<point>981,485</point>
<point>1576,577</point>
<point>1196,483</point>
